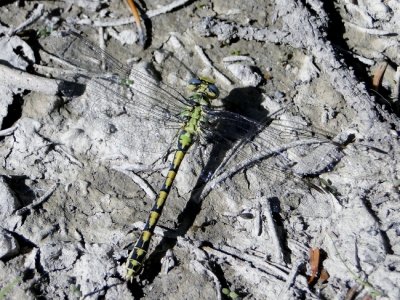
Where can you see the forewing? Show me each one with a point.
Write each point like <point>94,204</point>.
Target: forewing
<point>272,150</point>
<point>98,68</point>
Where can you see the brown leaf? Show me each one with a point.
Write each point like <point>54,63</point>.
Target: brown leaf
<point>314,263</point>
<point>323,277</point>
<point>378,75</point>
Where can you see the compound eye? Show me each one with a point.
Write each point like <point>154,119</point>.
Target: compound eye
<point>194,81</point>
<point>212,88</point>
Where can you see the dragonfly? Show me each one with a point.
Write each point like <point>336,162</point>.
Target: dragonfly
<point>199,121</point>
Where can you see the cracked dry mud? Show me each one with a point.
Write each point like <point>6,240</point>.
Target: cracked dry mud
<point>71,206</point>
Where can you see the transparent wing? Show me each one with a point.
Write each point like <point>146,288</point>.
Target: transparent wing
<point>271,134</point>
<point>101,70</point>
<point>277,152</point>
<point>275,146</point>
<point>135,115</point>
<point>119,128</point>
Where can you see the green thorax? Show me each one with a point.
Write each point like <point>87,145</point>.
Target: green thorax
<point>195,116</point>
<point>195,113</point>
<point>203,92</point>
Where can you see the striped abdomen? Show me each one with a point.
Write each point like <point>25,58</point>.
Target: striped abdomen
<point>203,91</point>
<point>137,256</point>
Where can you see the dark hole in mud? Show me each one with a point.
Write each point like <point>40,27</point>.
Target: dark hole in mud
<point>30,37</point>
<point>71,89</point>
<point>38,288</point>
<point>6,2</point>
<point>28,274</point>
<point>112,128</point>
<point>20,52</point>
<point>14,113</point>
<point>19,186</point>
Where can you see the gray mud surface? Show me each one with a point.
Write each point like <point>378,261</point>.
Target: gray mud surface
<point>77,171</point>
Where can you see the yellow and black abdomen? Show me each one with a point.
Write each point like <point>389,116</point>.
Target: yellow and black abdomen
<point>138,254</point>
<point>203,92</point>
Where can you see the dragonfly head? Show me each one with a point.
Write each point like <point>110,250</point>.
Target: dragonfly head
<point>205,86</point>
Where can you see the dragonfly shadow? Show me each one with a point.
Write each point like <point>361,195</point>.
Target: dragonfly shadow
<point>71,89</point>
<point>244,102</point>
<point>226,131</point>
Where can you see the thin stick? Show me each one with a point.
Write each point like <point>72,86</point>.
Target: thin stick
<point>38,201</point>
<point>35,15</point>
<point>291,278</point>
<point>24,80</point>
<point>56,59</point>
<point>371,31</point>
<point>200,268</point>
<point>149,14</point>
<point>147,188</point>
<point>69,156</point>
<point>236,58</point>
<point>259,220</point>
<point>166,8</point>
<point>273,234</point>
<point>280,272</point>
<point>208,63</point>
<point>8,131</point>
<point>136,16</point>
<point>102,46</point>
<point>397,80</point>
